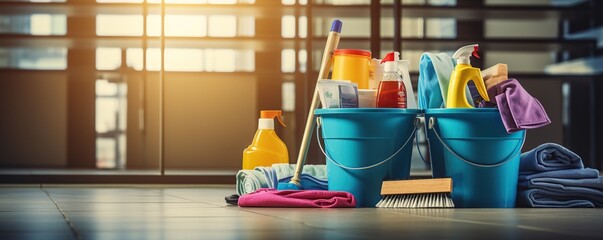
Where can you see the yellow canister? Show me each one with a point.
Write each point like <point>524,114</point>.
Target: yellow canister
<point>353,65</point>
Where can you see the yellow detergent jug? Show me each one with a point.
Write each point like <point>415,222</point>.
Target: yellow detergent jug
<point>462,74</point>
<point>266,148</point>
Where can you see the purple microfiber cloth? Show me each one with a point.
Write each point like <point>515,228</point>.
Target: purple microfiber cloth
<point>269,197</point>
<point>518,109</point>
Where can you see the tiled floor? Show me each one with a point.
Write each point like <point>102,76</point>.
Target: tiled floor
<point>200,212</point>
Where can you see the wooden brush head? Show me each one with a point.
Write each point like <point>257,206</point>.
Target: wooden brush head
<point>433,185</point>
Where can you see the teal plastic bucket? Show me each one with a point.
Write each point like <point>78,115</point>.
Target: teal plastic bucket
<point>478,154</point>
<point>364,147</point>
<point>436,153</point>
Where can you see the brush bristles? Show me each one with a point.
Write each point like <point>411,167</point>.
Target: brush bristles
<point>429,200</point>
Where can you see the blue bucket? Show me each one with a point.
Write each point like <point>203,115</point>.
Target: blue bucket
<point>471,146</point>
<point>364,147</point>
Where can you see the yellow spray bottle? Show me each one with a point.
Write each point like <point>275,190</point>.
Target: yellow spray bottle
<point>266,148</point>
<point>462,74</point>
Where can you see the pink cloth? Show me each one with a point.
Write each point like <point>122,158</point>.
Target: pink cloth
<point>269,197</point>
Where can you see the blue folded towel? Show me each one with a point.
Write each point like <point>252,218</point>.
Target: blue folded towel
<point>569,177</point>
<point>550,175</point>
<point>313,177</point>
<point>552,199</point>
<point>549,157</point>
<point>570,184</point>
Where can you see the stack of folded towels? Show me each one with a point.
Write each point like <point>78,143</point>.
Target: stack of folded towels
<point>313,177</point>
<point>553,176</point>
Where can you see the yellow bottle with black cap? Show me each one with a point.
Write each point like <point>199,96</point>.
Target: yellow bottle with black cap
<point>266,148</point>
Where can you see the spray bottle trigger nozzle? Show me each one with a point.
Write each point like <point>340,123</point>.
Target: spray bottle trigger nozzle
<point>278,114</point>
<point>280,120</point>
<point>391,57</point>
<point>475,49</point>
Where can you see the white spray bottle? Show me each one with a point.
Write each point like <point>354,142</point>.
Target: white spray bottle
<point>402,71</point>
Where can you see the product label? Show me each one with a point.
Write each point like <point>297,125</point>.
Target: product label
<point>338,94</point>
<point>348,96</point>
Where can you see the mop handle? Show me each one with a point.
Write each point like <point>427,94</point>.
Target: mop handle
<point>325,68</point>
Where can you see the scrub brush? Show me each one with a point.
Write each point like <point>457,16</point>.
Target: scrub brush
<point>420,193</point>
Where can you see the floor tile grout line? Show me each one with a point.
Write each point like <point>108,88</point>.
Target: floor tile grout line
<point>285,219</point>
<point>192,200</point>
<point>538,229</point>
<point>69,223</point>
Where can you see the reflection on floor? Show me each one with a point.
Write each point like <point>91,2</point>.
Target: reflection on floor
<point>200,212</point>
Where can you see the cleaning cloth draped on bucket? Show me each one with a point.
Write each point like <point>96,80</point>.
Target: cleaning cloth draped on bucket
<point>434,78</point>
<point>266,197</point>
<point>518,109</point>
<point>553,176</point>
<point>313,177</point>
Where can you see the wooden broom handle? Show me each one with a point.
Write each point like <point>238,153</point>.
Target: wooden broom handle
<point>325,68</point>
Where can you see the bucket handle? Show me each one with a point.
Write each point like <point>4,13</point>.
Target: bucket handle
<point>432,123</point>
<point>319,123</point>
<point>418,147</point>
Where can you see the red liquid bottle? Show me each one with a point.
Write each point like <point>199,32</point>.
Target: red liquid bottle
<point>391,92</point>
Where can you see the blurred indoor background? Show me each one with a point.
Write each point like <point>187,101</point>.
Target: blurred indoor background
<point>94,91</point>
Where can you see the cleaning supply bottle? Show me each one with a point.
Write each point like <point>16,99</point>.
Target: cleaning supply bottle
<point>463,72</point>
<point>391,92</point>
<point>266,148</point>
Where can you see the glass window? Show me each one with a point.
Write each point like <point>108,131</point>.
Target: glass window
<point>288,96</point>
<point>35,24</point>
<point>441,27</point>
<point>119,25</point>
<point>288,60</point>
<point>288,26</point>
<point>34,58</point>
<point>196,60</point>
<point>183,59</point>
<point>134,58</point>
<point>119,1</point>
<point>202,1</point>
<point>108,58</point>
<point>178,25</point>
<point>245,60</point>
<point>185,25</point>
<point>302,57</point>
<point>220,60</point>
<point>41,1</point>
<point>111,120</point>
<point>153,59</point>
<point>303,27</point>
<point>246,26</point>
<point>345,2</point>
<point>222,26</point>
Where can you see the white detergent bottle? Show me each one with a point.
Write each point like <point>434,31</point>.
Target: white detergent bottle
<point>266,148</point>
<point>411,102</point>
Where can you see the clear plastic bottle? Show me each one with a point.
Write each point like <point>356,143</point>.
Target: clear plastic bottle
<point>391,92</point>
<point>266,148</point>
